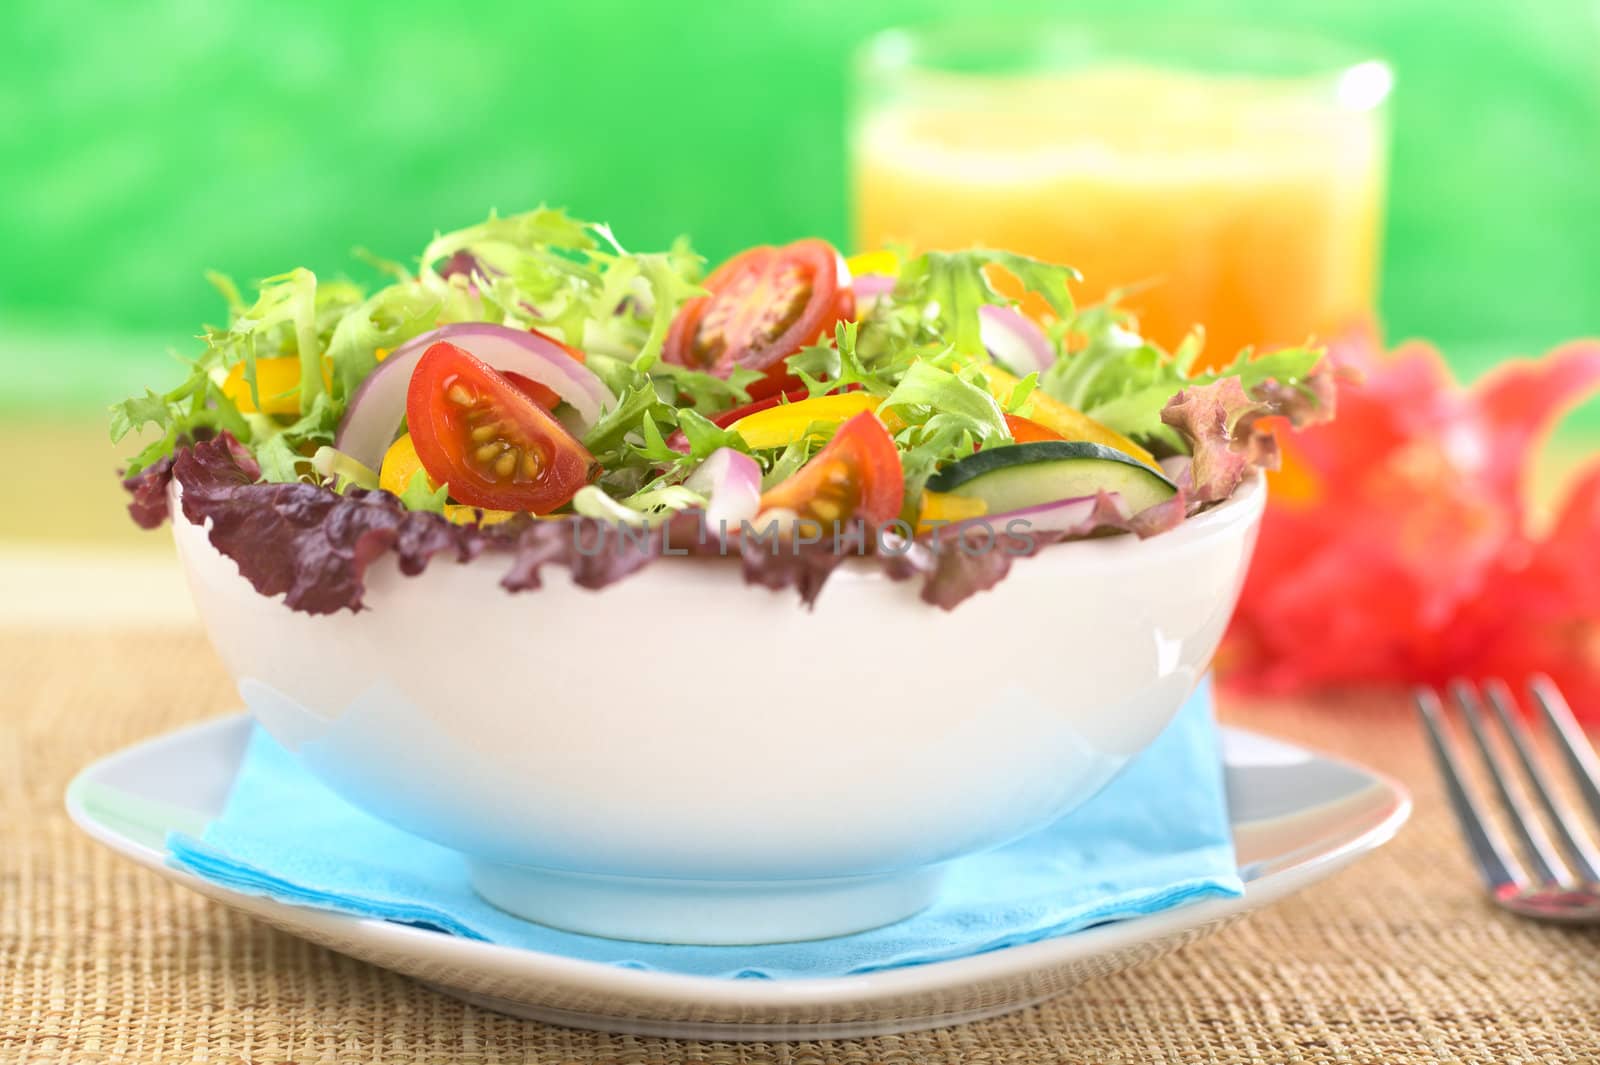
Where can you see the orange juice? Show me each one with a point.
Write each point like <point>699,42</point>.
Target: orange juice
<point>1245,205</point>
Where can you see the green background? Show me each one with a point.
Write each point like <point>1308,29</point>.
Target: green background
<point>141,144</point>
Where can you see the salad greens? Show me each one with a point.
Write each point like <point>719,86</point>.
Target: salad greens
<point>838,398</point>
<point>539,267</point>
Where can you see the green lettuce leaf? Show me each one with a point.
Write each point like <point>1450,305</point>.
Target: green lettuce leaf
<point>827,368</point>
<point>420,495</point>
<point>639,400</point>
<point>386,320</point>
<point>705,436</point>
<point>941,292</point>
<point>706,392</point>
<point>925,449</point>
<point>541,268</point>
<point>669,288</point>
<point>926,392</point>
<point>1124,381</point>
<point>285,455</point>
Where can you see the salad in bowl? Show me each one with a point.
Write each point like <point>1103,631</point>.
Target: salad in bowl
<point>1015,541</point>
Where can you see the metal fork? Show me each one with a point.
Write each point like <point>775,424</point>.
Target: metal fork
<point>1560,880</point>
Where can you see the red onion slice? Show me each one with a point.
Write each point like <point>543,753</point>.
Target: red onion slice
<point>871,286</point>
<point>378,405</point>
<point>731,482</point>
<point>1014,340</point>
<point>1063,515</point>
<point>869,289</point>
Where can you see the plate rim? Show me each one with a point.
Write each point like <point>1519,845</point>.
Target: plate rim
<point>669,987</point>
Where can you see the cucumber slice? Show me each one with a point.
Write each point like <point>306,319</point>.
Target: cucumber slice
<point>1026,475</point>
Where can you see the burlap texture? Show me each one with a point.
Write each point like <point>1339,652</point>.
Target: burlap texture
<point>1396,960</point>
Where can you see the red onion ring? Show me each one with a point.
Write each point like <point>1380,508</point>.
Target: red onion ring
<point>1014,340</point>
<point>869,289</point>
<point>1176,467</point>
<point>1063,515</point>
<point>379,403</point>
<point>731,482</point>
<point>871,286</point>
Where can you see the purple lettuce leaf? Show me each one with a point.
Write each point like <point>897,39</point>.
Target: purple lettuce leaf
<point>313,545</point>
<point>147,491</point>
<point>303,541</point>
<point>1224,426</point>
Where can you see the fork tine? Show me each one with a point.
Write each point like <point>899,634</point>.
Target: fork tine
<point>1581,761</point>
<point>1580,855</point>
<point>1525,825</point>
<point>1488,848</point>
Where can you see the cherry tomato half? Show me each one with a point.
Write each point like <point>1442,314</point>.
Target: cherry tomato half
<point>763,305</point>
<point>493,446</point>
<point>1028,431</point>
<point>856,476</point>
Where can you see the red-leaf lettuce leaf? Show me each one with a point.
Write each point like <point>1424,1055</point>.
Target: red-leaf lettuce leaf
<point>313,545</point>
<point>1231,432</point>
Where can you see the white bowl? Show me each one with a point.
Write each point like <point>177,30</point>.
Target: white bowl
<point>681,757</point>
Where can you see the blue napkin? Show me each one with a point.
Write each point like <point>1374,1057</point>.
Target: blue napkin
<point>1155,838</point>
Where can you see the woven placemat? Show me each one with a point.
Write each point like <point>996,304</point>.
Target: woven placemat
<point>1396,960</point>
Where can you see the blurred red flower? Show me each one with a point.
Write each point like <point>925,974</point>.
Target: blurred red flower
<point>1397,545</point>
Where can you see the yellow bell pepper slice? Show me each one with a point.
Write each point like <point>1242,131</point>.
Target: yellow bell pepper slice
<point>401,464</point>
<point>782,425</point>
<point>882,261</point>
<point>464,515</point>
<point>277,383</point>
<point>948,507</point>
<point>1070,422</point>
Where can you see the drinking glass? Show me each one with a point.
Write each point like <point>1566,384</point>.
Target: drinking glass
<point>1218,177</point>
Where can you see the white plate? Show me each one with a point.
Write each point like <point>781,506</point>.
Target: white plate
<point>1297,817</point>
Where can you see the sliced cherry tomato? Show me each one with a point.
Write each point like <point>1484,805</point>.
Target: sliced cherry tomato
<point>772,385</point>
<point>543,394</point>
<point>1028,431</point>
<point>845,306</point>
<point>857,475</point>
<point>763,305</point>
<point>494,447</point>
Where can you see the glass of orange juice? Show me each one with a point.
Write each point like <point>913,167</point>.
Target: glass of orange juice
<point>1224,178</point>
